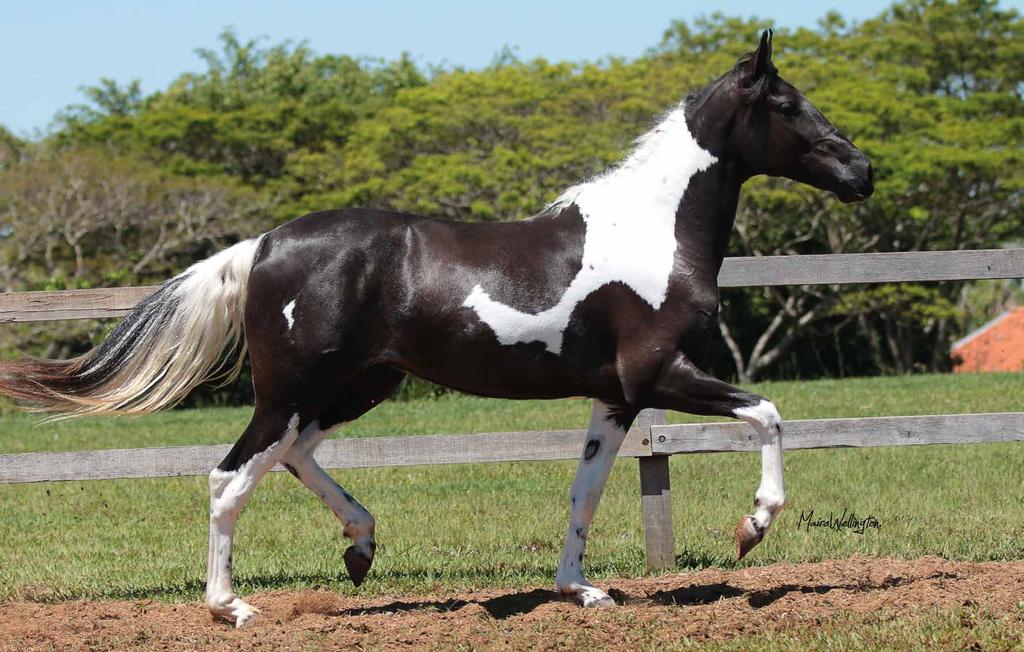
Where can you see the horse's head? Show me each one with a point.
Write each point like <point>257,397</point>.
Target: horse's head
<point>767,126</point>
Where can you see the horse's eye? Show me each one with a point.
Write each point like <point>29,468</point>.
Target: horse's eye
<point>788,109</point>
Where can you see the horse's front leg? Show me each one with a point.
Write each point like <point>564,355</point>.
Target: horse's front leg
<point>605,433</point>
<point>686,388</point>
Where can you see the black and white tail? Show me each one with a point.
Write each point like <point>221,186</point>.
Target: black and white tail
<point>171,342</point>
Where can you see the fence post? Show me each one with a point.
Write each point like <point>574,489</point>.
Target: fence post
<point>656,501</point>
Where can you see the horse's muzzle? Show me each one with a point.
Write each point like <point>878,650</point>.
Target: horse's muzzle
<point>858,181</point>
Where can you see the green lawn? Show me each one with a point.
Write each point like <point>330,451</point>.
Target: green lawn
<point>965,628</point>
<point>502,524</point>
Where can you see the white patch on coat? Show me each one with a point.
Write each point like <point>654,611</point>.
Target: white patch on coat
<point>591,476</point>
<point>358,522</point>
<point>229,492</point>
<point>289,308</point>
<point>764,414</point>
<point>629,213</point>
<point>770,498</point>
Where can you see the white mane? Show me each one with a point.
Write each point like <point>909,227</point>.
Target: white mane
<point>663,149</point>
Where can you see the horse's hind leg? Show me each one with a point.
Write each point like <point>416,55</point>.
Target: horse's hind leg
<point>358,397</point>
<point>264,443</point>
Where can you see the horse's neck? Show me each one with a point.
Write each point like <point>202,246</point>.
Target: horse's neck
<point>706,215</point>
<point>650,182</point>
<point>668,188</point>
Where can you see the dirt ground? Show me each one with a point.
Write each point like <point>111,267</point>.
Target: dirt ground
<point>704,606</point>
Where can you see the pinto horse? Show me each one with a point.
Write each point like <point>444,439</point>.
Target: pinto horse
<point>610,292</point>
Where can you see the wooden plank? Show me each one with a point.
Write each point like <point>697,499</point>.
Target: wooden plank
<point>522,446</point>
<point>656,500</point>
<point>843,433</point>
<point>736,272</point>
<point>70,304</point>
<point>656,505</point>
<point>872,268</point>
<point>463,449</point>
<point>332,454</point>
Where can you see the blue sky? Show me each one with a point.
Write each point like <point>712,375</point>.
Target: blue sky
<point>52,47</point>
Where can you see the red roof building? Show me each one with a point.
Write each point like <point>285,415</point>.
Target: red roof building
<point>996,346</point>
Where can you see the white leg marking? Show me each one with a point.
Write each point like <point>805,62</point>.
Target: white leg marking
<point>770,498</point>
<point>229,492</point>
<point>626,241</point>
<point>604,437</point>
<point>289,308</point>
<point>357,521</point>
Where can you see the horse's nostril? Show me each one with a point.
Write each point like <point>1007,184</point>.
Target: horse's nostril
<point>871,173</point>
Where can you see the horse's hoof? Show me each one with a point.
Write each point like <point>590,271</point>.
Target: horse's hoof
<point>358,564</point>
<point>748,535</point>
<point>596,599</point>
<point>247,618</point>
<point>588,597</point>
<point>231,608</point>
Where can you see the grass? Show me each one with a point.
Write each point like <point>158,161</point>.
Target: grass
<point>966,628</point>
<point>463,527</point>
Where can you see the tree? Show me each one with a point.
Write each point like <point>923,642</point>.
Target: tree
<point>252,109</point>
<point>84,218</point>
<point>930,89</point>
<point>946,140</point>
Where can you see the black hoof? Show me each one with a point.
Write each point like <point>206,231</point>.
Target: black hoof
<point>358,564</point>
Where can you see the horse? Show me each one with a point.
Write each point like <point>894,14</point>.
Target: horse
<point>610,292</point>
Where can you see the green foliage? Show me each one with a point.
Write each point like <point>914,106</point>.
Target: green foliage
<point>251,110</point>
<point>10,149</point>
<point>109,100</point>
<point>930,89</point>
<point>86,217</point>
<point>982,299</point>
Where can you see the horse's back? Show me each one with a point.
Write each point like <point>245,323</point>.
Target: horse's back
<point>411,264</point>
<point>365,287</point>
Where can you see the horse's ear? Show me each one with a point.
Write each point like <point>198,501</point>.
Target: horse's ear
<point>761,63</point>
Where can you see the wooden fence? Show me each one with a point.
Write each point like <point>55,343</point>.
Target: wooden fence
<point>651,440</point>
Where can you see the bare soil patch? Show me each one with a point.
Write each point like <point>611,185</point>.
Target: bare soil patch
<point>703,606</point>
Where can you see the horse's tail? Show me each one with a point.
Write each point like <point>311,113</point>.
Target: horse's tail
<point>190,330</point>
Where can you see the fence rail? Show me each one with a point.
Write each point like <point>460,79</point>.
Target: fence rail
<point>746,271</point>
<point>651,440</point>
<point>642,441</point>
